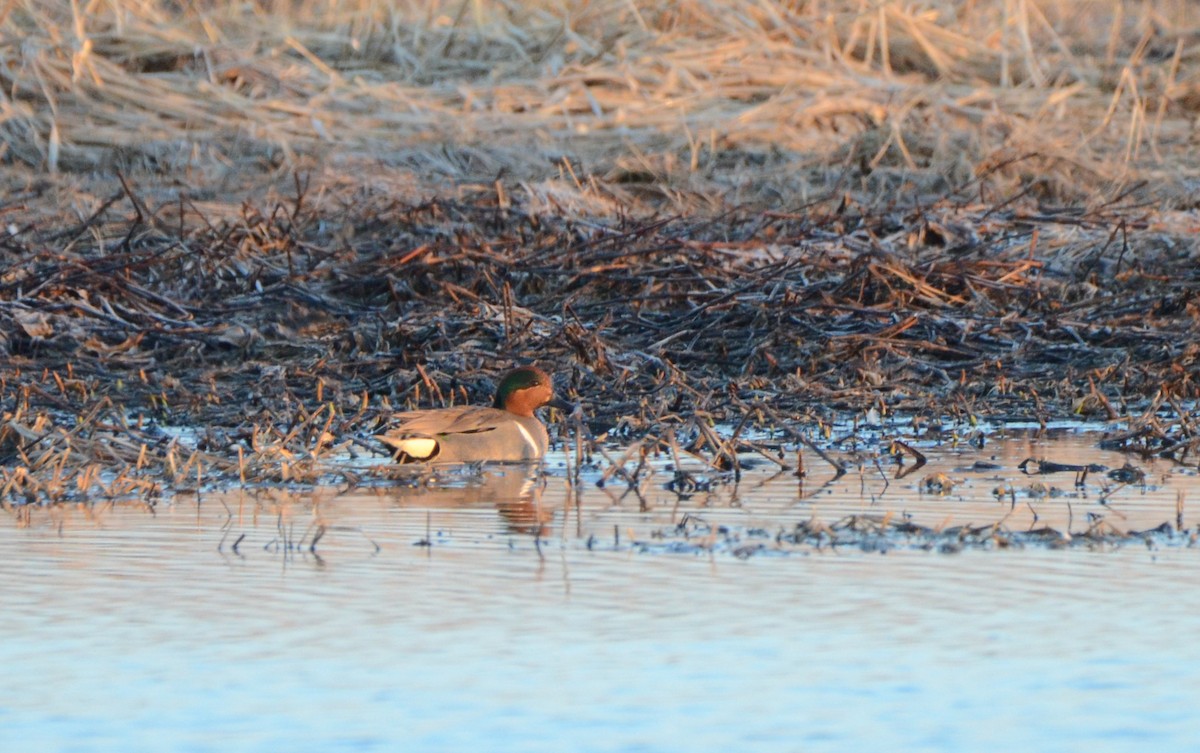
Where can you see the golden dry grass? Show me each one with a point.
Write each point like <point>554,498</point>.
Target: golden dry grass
<point>605,106</point>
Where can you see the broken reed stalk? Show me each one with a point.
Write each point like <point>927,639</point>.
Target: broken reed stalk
<point>618,466</point>
<point>839,468</point>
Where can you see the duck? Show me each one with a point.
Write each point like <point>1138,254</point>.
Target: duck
<point>507,431</point>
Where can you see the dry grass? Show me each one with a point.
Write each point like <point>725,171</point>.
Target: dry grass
<point>602,107</point>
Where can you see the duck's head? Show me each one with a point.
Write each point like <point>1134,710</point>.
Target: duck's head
<point>524,390</point>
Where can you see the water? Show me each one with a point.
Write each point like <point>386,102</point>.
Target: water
<point>126,630</point>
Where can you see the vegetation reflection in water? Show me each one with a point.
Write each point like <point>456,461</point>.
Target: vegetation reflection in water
<point>1018,491</point>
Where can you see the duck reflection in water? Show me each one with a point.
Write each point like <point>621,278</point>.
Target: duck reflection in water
<point>515,492</point>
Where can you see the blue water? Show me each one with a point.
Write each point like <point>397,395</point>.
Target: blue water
<point>127,631</point>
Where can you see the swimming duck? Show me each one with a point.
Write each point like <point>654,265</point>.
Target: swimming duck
<point>508,431</point>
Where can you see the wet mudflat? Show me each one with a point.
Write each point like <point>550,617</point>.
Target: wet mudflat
<point>494,612</point>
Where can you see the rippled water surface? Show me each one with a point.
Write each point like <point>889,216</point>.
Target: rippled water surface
<point>487,613</point>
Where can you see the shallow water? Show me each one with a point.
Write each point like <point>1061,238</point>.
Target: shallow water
<point>217,624</point>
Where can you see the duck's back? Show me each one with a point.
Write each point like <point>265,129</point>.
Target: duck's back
<point>470,434</point>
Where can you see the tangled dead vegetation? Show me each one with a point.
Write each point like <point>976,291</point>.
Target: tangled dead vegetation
<point>285,334</point>
<point>886,533</point>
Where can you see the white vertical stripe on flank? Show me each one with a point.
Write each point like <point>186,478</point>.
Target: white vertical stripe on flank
<point>533,445</point>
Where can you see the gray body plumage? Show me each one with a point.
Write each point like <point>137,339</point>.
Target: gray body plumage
<point>468,434</point>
